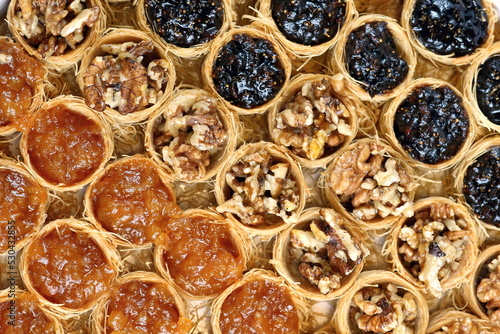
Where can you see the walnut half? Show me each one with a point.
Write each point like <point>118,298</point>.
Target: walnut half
<point>488,291</point>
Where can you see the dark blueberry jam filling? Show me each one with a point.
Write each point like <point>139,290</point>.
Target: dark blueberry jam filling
<point>372,58</point>
<point>450,26</point>
<point>248,72</point>
<point>185,23</point>
<point>482,186</point>
<point>431,124</point>
<point>488,89</point>
<point>309,22</point>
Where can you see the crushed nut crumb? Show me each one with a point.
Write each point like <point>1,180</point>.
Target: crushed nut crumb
<point>191,135</point>
<point>327,252</point>
<point>313,121</point>
<point>432,243</point>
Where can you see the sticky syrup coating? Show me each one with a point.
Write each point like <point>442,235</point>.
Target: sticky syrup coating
<point>488,89</point>
<point>131,200</point>
<point>67,267</point>
<point>64,146</point>
<point>21,203</point>
<point>259,306</point>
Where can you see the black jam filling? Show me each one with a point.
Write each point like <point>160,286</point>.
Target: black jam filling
<point>488,89</point>
<point>309,22</point>
<point>431,124</point>
<point>185,23</point>
<point>482,186</point>
<point>247,72</point>
<point>372,58</point>
<point>450,26</point>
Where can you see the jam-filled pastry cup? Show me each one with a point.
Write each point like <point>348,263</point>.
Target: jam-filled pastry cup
<point>436,248</point>
<point>482,290</point>
<point>22,85</point>
<point>132,198</point>
<point>430,123</point>
<point>127,75</point>
<point>141,302</point>
<point>381,302</point>
<point>451,321</point>
<point>21,312</point>
<point>259,302</point>
<point>247,69</point>
<point>187,29</point>
<point>67,144</point>
<point>375,55</point>
<point>447,31</point>
<point>321,255</point>
<point>69,266</point>
<point>477,180</point>
<point>192,135</point>
<point>306,28</point>
<point>315,117</point>
<point>261,188</point>
<point>23,206</point>
<point>58,33</point>
<point>370,184</point>
<point>481,84</point>
<point>202,254</point>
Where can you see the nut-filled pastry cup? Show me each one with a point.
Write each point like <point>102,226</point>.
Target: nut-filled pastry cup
<point>430,123</point>
<point>482,290</point>
<point>376,56</point>
<point>304,28</point>
<point>477,181</point>
<point>259,302</point>
<point>69,266</point>
<point>315,117</point>
<point>21,312</point>
<point>381,302</point>
<point>368,183</point>
<point>186,36</point>
<point>452,321</point>
<point>481,82</point>
<point>436,248</point>
<point>23,206</point>
<point>22,85</point>
<point>57,33</point>
<point>320,256</point>
<point>248,69</point>
<point>450,32</point>
<point>141,302</point>
<point>127,75</point>
<point>261,188</point>
<point>132,198</point>
<point>202,254</point>
<point>192,135</point>
<point>66,144</point>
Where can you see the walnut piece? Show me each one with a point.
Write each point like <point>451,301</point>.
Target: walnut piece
<point>191,135</point>
<point>313,121</point>
<point>384,309</point>
<point>429,249</point>
<point>461,326</point>
<point>371,183</point>
<point>53,27</point>
<point>253,180</point>
<point>121,81</point>
<point>488,291</point>
<point>327,253</point>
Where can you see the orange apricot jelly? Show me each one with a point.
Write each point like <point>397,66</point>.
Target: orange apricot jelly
<point>19,76</point>
<point>138,306</point>
<point>27,316</point>
<point>67,267</point>
<point>131,200</point>
<point>65,146</point>
<point>22,203</point>
<point>201,256</point>
<point>259,306</point>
